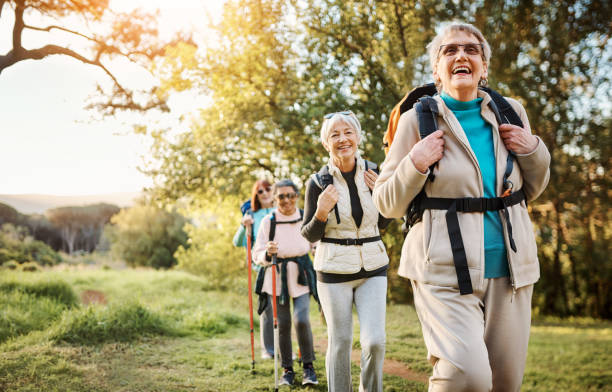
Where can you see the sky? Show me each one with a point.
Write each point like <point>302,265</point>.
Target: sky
<point>49,142</point>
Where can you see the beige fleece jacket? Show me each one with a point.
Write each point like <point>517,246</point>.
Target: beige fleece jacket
<point>426,253</point>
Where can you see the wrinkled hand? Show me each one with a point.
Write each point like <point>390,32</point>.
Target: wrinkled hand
<point>247,220</point>
<point>428,151</point>
<point>517,139</point>
<point>327,200</point>
<point>271,248</point>
<point>370,178</point>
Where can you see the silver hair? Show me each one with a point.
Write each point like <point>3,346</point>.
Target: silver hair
<point>433,48</point>
<point>349,118</point>
<point>283,183</point>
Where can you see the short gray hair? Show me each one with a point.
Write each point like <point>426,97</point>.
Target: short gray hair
<point>349,118</point>
<point>283,183</point>
<point>433,48</point>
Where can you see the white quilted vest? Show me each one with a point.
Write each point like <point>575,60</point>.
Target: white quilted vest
<point>343,259</point>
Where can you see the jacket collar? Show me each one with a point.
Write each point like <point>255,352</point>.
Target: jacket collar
<point>335,170</point>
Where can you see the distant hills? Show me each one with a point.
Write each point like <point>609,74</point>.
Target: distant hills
<point>38,204</point>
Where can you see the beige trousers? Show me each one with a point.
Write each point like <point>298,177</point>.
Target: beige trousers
<point>475,342</point>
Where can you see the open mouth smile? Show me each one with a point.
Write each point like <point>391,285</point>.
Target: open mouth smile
<point>462,70</point>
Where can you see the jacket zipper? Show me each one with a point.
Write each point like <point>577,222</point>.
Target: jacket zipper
<point>475,162</point>
<point>512,282</point>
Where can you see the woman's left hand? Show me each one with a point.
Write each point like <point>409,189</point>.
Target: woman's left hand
<point>517,139</point>
<point>370,178</point>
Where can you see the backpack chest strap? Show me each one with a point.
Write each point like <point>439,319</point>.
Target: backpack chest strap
<point>469,205</point>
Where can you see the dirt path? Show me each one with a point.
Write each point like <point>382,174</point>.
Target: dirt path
<point>390,366</point>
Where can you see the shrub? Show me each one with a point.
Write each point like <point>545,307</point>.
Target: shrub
<point>214,324</point>
<point>145,235</point>
<point>30,266</point>
<point>56,290</point>
<point>11,264</point>
<point>122,322</point>
<point>24,312</point>
<point>16,244</point>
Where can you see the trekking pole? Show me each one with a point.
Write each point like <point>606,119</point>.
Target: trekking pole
<point>249,228</point>
<point>276,338</point>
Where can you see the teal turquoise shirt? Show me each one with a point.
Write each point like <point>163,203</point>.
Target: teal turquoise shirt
<point>480,136</point>
<point>240,236</point>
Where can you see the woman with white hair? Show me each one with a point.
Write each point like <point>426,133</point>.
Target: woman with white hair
<point>472,258</point>
<point>350,261</point>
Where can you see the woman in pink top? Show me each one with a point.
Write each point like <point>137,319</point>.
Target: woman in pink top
<point>279,234</point>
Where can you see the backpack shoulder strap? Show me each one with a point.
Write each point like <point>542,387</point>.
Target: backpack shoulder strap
<point>504,112</point>
<point>413,96</point>
<point>320,175</point>
<point>427,114</point>
<point>272,227</point>
<point>371,165</point>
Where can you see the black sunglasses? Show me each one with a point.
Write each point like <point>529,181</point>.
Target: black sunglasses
<point>290,196</point>
<point>261,190</point>
<point>330,115</point>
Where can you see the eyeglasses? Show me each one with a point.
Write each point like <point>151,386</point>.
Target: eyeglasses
<point>260,191</point>
<point>330,115</point>
<point>469,49</point>
<point>283,196</point>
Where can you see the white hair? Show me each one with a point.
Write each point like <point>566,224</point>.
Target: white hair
<point>433,48</point>
<point>349,118</point>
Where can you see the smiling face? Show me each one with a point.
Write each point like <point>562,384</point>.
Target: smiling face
<point>342,142</point>
<point>286,200</point>
<point>460,65</point>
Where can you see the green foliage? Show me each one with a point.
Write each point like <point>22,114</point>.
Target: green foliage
<point>81,227</point>
<point>29,266</point>
<point>211,253</point>
<point>11,264</point>
<point>31,306</point>
<point>145,235</point>
<point>117,322</point>
<point>211,324</point>
<point>279,66</point>
<point>54,289</point>
<point>17,245</point>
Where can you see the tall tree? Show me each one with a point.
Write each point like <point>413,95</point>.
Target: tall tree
<point>104,35</point>
<point>282,64</point>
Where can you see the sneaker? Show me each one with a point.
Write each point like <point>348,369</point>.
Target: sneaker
<point>287,377</point>
<point>266,355</point>
<point>309,376</point>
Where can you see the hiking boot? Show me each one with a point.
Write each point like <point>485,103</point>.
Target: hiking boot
<point>309,376</point>
<point>287,377</point>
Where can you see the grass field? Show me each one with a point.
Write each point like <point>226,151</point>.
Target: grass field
<point>171,331</point>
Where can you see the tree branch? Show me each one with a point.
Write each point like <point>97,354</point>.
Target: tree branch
<point>18,27</point>
<point>400,28</point>
<point>49,28</point>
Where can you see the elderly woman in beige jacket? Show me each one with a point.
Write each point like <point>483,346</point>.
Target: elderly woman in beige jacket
<point>350,261</point>
<point>472,293</point>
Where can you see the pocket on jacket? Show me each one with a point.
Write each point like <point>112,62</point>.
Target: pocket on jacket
<point>440,250</point>
<point>524,236</point>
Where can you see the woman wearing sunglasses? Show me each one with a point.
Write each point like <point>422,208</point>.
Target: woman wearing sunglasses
<point>279,234</point>
<point>472,258</point>
<point>262,203</point>
<point>351,260</point>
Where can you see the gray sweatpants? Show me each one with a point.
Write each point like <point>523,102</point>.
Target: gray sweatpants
<point>301,321</point>
<point>337,299</point>
<point>266,330</point>
<point>476,342</point>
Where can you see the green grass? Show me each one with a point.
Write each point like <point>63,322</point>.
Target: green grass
<point>171,331</point>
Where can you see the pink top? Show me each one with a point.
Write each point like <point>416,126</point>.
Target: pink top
<point>290,244</point>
